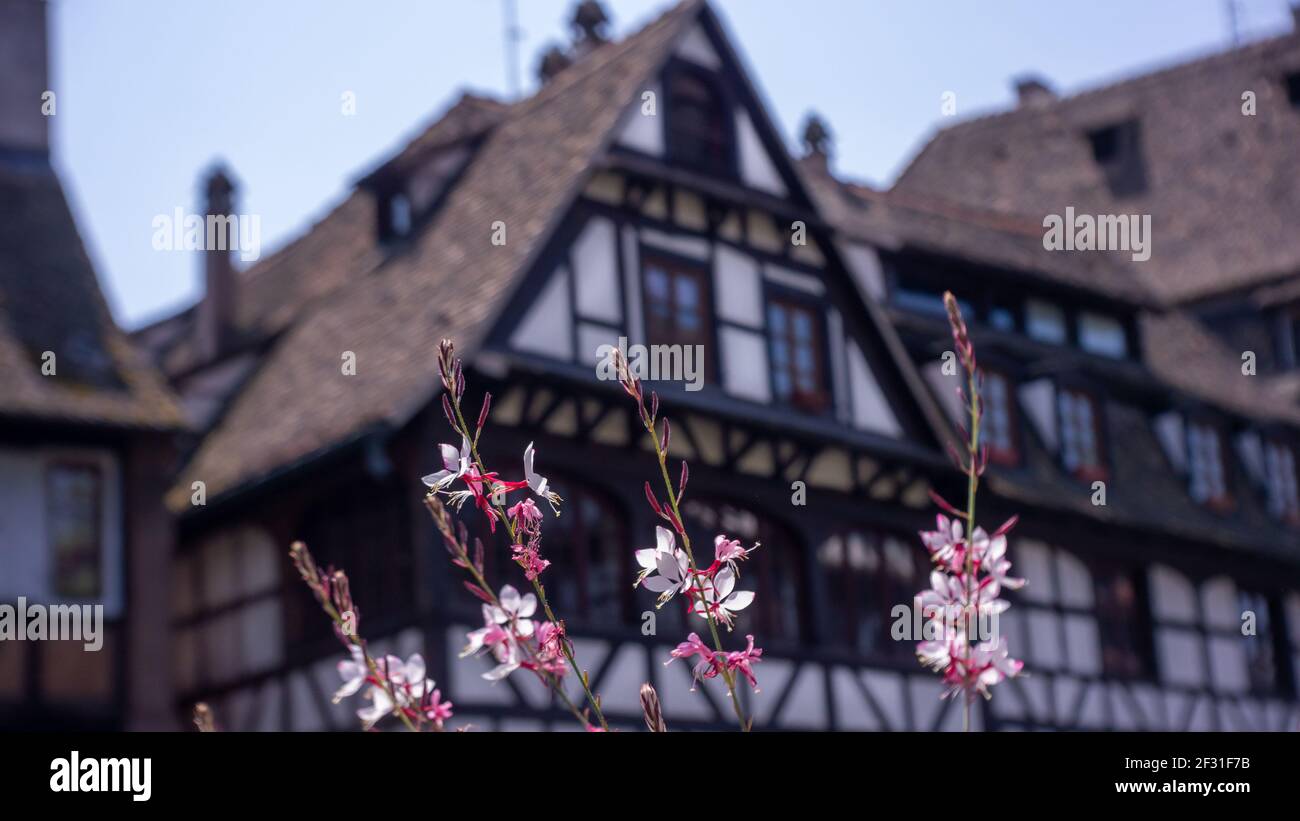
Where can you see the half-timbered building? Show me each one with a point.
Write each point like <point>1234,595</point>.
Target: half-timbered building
<point>644,194</point>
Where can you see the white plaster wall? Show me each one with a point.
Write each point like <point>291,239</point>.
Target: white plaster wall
<point>738,286</point>
<point>756,166</point>
<point>871,410</point>
<point>642,132</point>
<point>547,327</point>
<point>745,370</point>
<point>595,270</point>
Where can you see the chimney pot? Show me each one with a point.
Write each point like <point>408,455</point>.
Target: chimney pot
<point>24,77</point>
<point>1033,90</point>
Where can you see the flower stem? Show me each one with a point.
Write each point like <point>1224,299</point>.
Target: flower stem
<point>565,648</point>
<point>727,676</point>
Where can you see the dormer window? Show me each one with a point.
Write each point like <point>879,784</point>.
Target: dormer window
<point>1280,475</point>
<point>1117,150</point>
<point>1209,484</point>
<point>1102,335</point>
<point>699,122</point>
<point>1292,84</point>
<point>1080,427</point>
<point>395,216</point>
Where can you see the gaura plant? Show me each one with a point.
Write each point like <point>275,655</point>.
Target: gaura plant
<point>970,565</point>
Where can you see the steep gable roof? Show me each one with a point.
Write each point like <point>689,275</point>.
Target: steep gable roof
<point>448,284</point>
<point>50,301</point>
<point>1223,188</point>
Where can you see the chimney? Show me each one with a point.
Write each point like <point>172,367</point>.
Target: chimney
<point>817,141</point>
<point>1033,91</point>
<point>216,319</point>
<point>590,26</point>
<point>24,77</point>
<point>553,61</point>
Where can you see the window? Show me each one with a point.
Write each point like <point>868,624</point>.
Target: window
<point>1002,317</point>
<point>1103,335</point>
<point>795,340</point>
<point>677,305</point>
<point>1045,322</point>
<point>999,422</point>
<point>1123,623</point>
<point>774,573</point>
<point>1265,665</point>
<point>1292,83</point>
<point>395,215</point>
<point>866,576</point>
<point>362,531</point>
<point>73,516</point>
<point>1081,451</point>
<point>1117,150</point>
<point>699,127</point>
<point>587,547</point>
<point>1288,337</point>
<point>1205,464</point>
<point>1280,475</point>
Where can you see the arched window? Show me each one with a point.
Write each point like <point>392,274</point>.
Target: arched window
<point>774,573</point>
<point>590,557</point>
<point>867,574</point>
<point>361,530</point>
<point>699,122</point>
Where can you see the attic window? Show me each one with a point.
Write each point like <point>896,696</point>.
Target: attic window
<point>399,215</point>
<point>699,127</point>
<point>1292,83</point>
<point>1117,150</point>
<point>999,419</point>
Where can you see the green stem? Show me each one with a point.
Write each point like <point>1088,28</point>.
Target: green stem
<point>972,482</point>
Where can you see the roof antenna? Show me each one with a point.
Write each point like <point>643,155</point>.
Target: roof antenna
<point>514,36</point>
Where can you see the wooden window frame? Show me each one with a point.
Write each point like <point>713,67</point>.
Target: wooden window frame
<point>52,467</point>
<point>822,399</point>
<point>676,265</point>
<point>1221,502</point>
<point>725,165</point>
<point>1010,455</point>
<point>1140,624</point>
<point>1100,471</point>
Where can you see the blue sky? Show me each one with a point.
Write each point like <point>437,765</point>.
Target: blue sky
<point>151,92</point>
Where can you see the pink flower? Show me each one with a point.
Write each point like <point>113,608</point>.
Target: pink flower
<point>743,660</point>
<point>708,666</point>
<point>437,710</point>
<point>946,546</point>
<point>525,512</point>
<point>728,551</point>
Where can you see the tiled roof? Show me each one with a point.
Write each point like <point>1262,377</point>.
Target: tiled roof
<point>448,283</point>
<point>50,301</point>
<point>1222,188</point>
<point>898,220</point>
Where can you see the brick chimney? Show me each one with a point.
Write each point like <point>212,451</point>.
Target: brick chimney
<point>1033,91</point>
<point>24,76</point>
<point>216,320</point>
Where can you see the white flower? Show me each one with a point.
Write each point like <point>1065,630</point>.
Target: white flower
<point>721,601</point>
<point>454,465</point>
<point>353,672</point>
<point>380,706</point>
<point>537,483</point>
<point>669,561</point>
<point>503,627</point>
